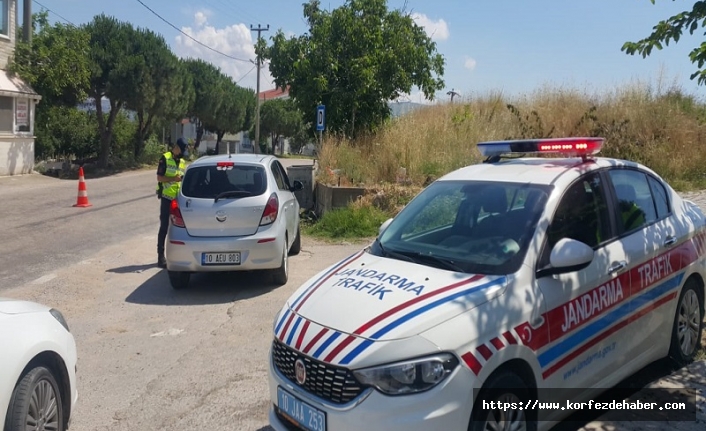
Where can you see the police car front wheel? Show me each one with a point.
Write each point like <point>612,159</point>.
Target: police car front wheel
<point>494,408</point>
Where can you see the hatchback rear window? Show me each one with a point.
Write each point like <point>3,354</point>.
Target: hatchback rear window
<point>207,182</point>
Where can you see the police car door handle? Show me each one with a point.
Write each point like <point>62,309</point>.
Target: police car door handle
<point>617,266</point>
<point>670,240</point>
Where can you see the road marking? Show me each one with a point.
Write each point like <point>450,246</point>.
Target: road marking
<point>44,279</point>
<point>172,332</point>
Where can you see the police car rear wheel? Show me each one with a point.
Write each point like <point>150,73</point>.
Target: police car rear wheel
<point>505,387</point>
<point>686,332</point>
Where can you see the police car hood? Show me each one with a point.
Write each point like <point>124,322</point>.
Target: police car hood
<point>381,299</point>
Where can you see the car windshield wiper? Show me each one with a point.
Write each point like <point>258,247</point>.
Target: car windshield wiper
<point>412,256</point>
<point>394,254</point>
<point>445,262</point>
<point>232,194</point>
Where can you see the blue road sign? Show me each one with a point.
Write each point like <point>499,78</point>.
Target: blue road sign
<point>320,117</point>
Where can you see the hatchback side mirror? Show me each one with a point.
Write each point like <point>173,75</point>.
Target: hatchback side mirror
<point>297,185</point>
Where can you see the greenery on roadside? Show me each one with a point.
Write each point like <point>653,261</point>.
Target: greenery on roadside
<point>701,355</point>
<point>671,30</point>
<point>148,89</point>
<point>352,222</point>
<point>281,117</point>
<point>658,125</point>
<point>354,59</point>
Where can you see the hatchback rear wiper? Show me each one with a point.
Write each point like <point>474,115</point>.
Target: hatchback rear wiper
<point>232,194</point>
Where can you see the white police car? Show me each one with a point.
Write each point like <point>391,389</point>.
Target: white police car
<point>497,281</point>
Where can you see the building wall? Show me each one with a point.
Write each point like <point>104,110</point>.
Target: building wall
<point>16,156</point>
<point>7,43</point>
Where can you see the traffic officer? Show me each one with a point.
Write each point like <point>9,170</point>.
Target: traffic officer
<point>170,172</point>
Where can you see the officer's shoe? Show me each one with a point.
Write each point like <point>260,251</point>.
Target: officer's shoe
<point>161,261</point>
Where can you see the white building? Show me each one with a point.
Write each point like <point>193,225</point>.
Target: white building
<point>17,103</point>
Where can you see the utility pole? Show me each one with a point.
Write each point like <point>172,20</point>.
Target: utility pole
<point>259,30</point>
<point>27,26</point>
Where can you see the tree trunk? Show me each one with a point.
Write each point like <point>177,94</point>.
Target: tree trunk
<point>106,130</point>
<point>140,135</point>
<point>199,134</point>
<point>143,127</point>
<point>104,150</point>
<point>219,138</point>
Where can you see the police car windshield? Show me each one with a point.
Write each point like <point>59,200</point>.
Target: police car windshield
<point>209,182</point>
<point>476,226</point>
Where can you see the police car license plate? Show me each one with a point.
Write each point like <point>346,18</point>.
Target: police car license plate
<point>229,258</point>
<point>300,413</point>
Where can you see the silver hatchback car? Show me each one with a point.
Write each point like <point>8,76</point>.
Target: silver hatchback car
<point>234,212</point>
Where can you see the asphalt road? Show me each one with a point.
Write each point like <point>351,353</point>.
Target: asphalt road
<point>42,231</point>
<point>151,358</point>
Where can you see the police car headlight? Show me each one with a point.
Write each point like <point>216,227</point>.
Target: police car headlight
<point>60,318</point>
<point>408,377</point>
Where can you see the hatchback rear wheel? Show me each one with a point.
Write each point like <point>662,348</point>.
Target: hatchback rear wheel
<point>281,274</point>
<point>297,244</point>
<point>179,280</point>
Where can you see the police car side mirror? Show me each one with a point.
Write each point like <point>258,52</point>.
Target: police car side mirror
<point>568,255</point>
<point>384,226</point>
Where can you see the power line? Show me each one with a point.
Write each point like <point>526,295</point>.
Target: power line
<point>190,37</point>
<point>51,11</point>
<point>243,77</point>
<point>236,11</point>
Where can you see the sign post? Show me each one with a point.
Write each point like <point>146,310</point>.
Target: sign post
<point>321,122</point>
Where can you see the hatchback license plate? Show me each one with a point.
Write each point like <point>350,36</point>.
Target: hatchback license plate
<point>229,258</point>
<point>304,415</point>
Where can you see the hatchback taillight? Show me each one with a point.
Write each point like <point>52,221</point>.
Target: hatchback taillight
<point>175,214</point>
<point>269,215</point>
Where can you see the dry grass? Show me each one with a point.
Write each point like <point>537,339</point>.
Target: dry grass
<point>663,128</point>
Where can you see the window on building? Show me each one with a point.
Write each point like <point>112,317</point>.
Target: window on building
<point>5,17</point>
<point>22,114</point>
<point>7,111</point>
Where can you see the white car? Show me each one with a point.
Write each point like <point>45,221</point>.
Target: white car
<point>496,282</point>
<point>37,367</point>
<point>234,212</point>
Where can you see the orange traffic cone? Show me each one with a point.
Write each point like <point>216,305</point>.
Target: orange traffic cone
<point>82,199</point>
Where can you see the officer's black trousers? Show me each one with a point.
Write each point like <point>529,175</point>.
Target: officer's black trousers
<point>163,224</point>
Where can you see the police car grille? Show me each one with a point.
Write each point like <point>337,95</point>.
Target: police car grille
<point>333,384</point>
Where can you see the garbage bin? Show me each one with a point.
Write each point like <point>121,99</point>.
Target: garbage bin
<point>304,174</point>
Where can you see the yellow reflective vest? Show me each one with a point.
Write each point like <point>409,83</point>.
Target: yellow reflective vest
<point>170,189</point>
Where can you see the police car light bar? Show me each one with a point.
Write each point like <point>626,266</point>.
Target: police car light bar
<point>567,146</point>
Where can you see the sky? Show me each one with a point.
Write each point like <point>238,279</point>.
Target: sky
<point>511,46</point>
